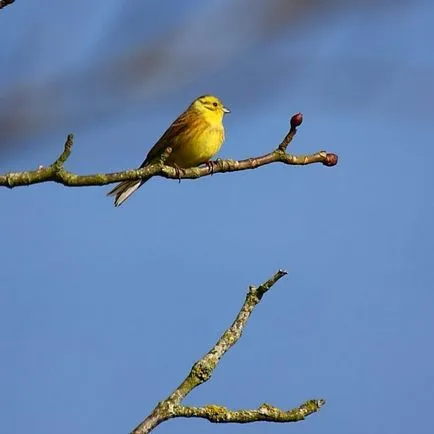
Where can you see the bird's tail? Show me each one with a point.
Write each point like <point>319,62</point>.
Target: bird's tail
<point>125,189</point>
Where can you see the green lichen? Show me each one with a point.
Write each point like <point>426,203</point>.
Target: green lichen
<point>216,413</point>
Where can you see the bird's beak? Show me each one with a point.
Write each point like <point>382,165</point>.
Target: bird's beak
<point>226,110</point>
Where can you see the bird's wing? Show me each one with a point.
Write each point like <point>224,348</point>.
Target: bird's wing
<point>179,126</point>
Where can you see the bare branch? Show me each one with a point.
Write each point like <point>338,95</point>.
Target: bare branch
<point>202,370</point>
<point>66,151</point>
<point>265,413</point>
<point>4,3</point>
<point>56,172</point>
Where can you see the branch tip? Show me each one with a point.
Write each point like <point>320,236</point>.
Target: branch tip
<point>331,160</point>
<point>296,120</point>
<point>266,286</point>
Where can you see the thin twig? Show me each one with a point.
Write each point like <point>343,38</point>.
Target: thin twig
<point>202,370</point>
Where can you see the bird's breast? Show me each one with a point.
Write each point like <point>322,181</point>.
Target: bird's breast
<point>198,147</point>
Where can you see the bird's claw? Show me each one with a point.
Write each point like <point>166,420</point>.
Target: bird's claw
<point>211,165</point>
<point>179,172</point>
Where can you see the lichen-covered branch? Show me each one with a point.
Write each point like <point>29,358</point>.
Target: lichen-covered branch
<point>4,3</point>
<point>57,173</point>
<point>202,370</point>
<point>265,413</point>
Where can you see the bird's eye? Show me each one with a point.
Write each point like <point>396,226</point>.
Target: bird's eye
<point>214,104</point>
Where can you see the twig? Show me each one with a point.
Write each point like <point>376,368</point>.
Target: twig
<point>265,413</point>
<point>4,3</point>
<point>202,370</point>
<point>56,172</point>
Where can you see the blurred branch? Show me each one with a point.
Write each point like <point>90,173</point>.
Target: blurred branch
<point>57,173</point>
<point>202,370</point>
<point>4,3</point>
<point>137,71</point>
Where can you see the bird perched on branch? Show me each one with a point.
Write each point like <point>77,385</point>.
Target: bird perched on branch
<point>195,137</point>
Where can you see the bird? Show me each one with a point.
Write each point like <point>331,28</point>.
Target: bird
<point>195,137</point>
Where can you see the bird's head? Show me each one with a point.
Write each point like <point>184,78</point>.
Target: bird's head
<point>210,106</point>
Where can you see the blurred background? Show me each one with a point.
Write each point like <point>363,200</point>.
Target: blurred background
<point>104,310</point>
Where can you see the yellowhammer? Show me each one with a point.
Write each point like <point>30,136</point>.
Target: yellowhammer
<point>195,137</point>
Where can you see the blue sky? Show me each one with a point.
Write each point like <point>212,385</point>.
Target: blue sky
<point>104,310</point>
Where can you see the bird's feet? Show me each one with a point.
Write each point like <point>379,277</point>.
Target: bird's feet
<point>212,164</point>
<point>179,172</point>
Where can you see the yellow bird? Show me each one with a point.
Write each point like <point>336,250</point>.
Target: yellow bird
<point>195,137</point>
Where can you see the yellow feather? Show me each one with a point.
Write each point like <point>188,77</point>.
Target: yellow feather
<point>195,137</point>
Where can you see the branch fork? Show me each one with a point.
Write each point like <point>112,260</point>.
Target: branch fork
<point>202,370</point>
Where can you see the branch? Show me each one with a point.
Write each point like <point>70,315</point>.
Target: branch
<point>4,3</point>
<point>57,173</point>
<point>265,413</point>
<point>202,370</point>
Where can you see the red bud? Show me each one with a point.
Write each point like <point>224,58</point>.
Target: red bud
<point>296,120</point>
<point>331,160</point>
